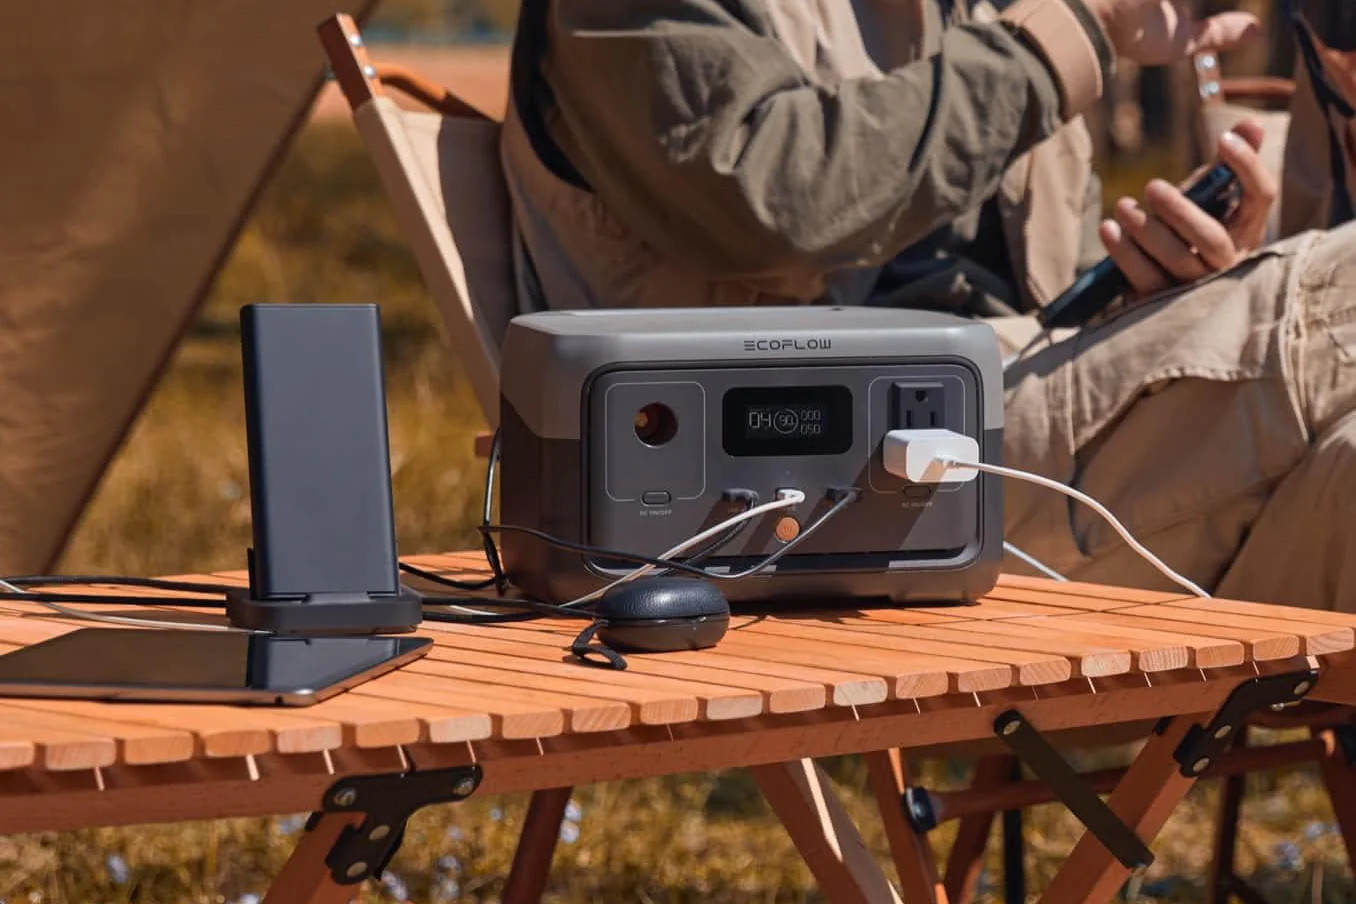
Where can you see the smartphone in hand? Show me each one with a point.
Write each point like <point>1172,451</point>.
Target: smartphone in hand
<point>1217,192</point>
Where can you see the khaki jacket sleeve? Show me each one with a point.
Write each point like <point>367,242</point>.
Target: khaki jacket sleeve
<point>704,135</point>
<point>1091,250</point>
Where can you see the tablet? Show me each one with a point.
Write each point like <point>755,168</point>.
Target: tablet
<point>201,666</point>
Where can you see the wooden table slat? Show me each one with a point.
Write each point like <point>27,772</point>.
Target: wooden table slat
<point>647,680</point>
<point>1259,646</point>
<point>1087,660</point>
<point>137,742</point>
<point>1315,639</point>
<point>857,687</point>
<point>967,658</point>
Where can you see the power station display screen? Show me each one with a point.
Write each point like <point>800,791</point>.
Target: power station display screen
<point>787,420</point>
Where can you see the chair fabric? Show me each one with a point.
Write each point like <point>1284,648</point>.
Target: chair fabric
<point>445,181</point>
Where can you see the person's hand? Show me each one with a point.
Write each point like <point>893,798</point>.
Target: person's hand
<point>1159,32</point>
<point>1169,240</point>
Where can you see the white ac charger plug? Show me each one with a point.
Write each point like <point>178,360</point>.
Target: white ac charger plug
<point>931,456</point>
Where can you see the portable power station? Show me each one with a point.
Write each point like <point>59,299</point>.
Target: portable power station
<point>629,431</point>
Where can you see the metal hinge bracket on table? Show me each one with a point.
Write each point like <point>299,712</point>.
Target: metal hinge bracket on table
<point>1031,747</point>
<point>1203,744</point>
<point>386,802</point>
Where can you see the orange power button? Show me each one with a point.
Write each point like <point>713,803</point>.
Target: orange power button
<point>788,528</point>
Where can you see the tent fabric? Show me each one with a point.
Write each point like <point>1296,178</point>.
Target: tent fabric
<point>137,136</point>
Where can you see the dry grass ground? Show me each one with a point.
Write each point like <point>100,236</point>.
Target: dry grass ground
<point>175,500</point>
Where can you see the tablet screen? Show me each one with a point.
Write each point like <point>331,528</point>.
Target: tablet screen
<point>208,661</point>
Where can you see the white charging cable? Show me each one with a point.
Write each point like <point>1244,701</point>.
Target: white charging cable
<point>1034,562</point>
<point>120,620</point>
<point>944,456</point>
<point>785,499</point>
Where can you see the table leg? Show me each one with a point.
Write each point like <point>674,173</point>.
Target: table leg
<point>803,799</point>
<point>1340,780</point>
<point>914,860</point>
<point>1145,798</point>
<point>536,846</point>
<point>966,861</point>
<point>305,879</point>
<point>1226,841</point>
<point>1014,848</point>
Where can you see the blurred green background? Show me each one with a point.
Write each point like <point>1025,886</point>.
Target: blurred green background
<point>175,500</point>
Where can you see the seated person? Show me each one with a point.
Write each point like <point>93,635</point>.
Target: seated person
<point>931,153</point>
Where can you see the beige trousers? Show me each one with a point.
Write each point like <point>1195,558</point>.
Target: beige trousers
<point>1218,422</point>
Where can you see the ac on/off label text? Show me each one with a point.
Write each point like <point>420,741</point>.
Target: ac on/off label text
<point>654,512</point>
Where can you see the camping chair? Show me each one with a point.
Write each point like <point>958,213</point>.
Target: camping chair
<point>441,170</point>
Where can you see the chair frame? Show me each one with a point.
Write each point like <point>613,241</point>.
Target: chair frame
<point>363,84</point>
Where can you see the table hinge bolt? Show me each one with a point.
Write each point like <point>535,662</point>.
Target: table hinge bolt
<point>345,797</point>
<point>1223,732</point>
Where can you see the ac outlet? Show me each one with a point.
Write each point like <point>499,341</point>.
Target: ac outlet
<point>918,406</point>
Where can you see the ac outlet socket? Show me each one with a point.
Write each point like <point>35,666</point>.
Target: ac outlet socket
<point>918,406</point>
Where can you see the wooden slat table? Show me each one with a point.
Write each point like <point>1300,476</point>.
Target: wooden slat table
<point>1081,663</point>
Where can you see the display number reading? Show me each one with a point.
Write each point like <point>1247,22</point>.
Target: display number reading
<point>805,420</point>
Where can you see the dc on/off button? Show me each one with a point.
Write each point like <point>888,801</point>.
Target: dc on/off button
<point>656,497</point>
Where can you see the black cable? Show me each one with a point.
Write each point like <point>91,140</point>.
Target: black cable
<point>492,551</point>
<point>55,580</point>
<point>186,601</point>
<point>536,606</point>
<point>597,551</point>
<point>59,580</point>
<point>750,499</point>
<point>446,581</point>
<point>482,602</point>
<point>847,496</point>
<point>726,536</point>
<point>498,578</point>
<point>842,496</point>
<point>469,619</point>
<point>535,610</point>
